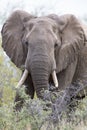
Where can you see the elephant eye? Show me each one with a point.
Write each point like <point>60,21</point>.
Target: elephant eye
<point>55,45</point>
<point>26,43</point>
<point>30,26</point>
<point>54,30</point>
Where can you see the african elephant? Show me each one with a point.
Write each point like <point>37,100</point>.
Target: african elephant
<point>50,49</point>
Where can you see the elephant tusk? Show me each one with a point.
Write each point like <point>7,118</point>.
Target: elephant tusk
<point>23,78</point>
<point>55,78</point>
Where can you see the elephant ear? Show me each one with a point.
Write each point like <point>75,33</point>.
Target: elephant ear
<point>72,40</point>
<point>12,34</point>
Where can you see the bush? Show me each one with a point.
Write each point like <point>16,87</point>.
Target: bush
<point>35,115</point>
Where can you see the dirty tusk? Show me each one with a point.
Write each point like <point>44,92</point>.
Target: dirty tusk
<point>55,78</point>
<point>23,78</point>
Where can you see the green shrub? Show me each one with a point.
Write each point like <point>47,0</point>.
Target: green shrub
<point>36,116</point>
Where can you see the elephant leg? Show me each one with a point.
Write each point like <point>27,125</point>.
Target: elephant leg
<point>18,101</point>
<point>65,77</point>
<point>29,90</point>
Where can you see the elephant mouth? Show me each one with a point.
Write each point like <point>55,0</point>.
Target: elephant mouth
<point>25,74</point>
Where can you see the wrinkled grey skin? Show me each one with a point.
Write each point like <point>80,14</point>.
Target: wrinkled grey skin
<point>44,44</point>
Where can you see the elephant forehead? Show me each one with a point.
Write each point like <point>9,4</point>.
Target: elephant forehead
<point>43,21</point>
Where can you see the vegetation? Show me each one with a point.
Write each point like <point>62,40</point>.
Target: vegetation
<point>35,115</point>
<point>9,76</point>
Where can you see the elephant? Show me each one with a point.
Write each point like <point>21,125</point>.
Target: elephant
<point>50,50</point>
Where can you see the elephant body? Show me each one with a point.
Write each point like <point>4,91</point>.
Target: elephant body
<point>42,45</point>
<point>76,71</point>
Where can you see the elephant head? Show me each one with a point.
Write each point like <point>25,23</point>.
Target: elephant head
<point>42,46</point>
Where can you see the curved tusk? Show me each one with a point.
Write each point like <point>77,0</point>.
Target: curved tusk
<point>55,78</point>
<point>23,78</point>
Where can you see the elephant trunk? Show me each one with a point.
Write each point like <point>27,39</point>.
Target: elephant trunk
<point>40,71</point>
